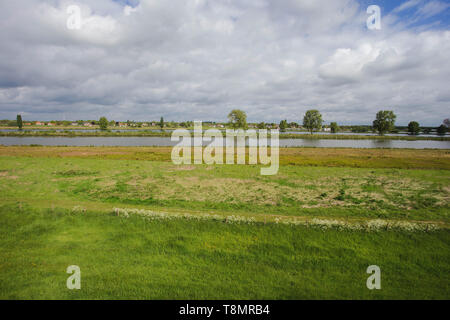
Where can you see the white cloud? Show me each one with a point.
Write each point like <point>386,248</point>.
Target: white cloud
<point>198,59</point>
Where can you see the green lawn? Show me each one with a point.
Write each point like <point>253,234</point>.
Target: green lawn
<point>177,259</point>
<point>57,209</point>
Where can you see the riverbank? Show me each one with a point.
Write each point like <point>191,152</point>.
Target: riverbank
<point>168,133</point>
<point>223,231</point>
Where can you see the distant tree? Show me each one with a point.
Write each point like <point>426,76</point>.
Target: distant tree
<point>103,123</point>
<point>237,119</point>
<point>442,130</point>
<point>293,125</point>
<point>19,121</point>
<point>426,130</point>
<point>261,125</point>
<point>312,120</point>
<point>283,125</point>
<point>447,123</point>
<point>161,123</point>
<point>334,127</point>
<point>384,121</point>
<point>413,127</point>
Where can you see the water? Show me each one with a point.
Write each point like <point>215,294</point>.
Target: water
<point>165,141</point>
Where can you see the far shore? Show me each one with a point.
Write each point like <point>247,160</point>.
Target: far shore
<point>156,132</point>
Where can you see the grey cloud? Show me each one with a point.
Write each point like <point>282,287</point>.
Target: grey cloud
<point>198,59</point>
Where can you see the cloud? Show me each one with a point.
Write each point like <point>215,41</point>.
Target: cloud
<point>198,59</point>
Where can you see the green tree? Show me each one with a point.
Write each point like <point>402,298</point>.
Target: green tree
<point>384,121</point>
<point>312,120</point>
<point>261,125</point>
<point>103,123</point>
<point>283,125</point>
<point>19,121</point>
<point>334,127</point>
<point>442,130</point>
<point>238,119</point>
<point>161,123</point>
<point>413,127</point>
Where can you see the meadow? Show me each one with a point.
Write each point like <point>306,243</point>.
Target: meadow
<point>288,236</point>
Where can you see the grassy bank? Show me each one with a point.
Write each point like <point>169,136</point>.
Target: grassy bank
<point>275,237</point>
<point>164,133</point>
<point>311,191</point>
<point>316,157</point>
<point>177,259</point>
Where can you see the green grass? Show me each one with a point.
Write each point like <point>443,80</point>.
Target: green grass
<point>56,210</point>
<point>294,191</point>
<point>177,259</point>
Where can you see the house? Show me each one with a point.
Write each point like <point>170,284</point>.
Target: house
<point>27,123</point>
<point>327,129</point>
<point>38,123</point>
<point>50,124</point>
<point>74,124</point>
<point>87,124</point>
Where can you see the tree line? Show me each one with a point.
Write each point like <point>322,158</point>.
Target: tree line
<point>312,121</point>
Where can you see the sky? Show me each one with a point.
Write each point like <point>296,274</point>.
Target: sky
<point>199,59</point>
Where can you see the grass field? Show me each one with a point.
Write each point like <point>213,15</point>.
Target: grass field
<point>57,209</point>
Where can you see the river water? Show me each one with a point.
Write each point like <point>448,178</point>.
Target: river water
<point>165,141</point>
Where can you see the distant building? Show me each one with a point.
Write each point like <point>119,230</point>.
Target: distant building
<point>50,124</point>
<point>87,124</point>
<point>39,123</point>
<point>74,123</point>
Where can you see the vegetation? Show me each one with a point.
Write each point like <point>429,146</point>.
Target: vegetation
<point>237,119</point>
<point>283,125</point>
<point>63,214</point>
<point>19,122</point>
<point>334,127</point>
<point>414,128</point>
<point>442,130</point>
<point>312,120</point>
<point>161,123</point>
<point>151,133</point>
<point>103,123</point>
<point>384,122</point>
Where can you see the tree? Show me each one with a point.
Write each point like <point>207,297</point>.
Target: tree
<point>103,123</point>
<point>312,120</point>
<point>238,119</point>
<point>283,125</point>
<point>413,127</point>
<point>442,130</point>
<point>261,125</point>
<point>447,123</point>
<point>334,127</point>
<point>19,121</point>
<point>161,123</point>
<point>384,121</point>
